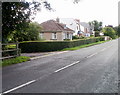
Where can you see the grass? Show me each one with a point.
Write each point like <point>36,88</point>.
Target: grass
<point>11,46</point>
<point>16,60</point>
<point>83,46</point>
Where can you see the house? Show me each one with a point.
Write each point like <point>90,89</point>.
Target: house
<point>86,29</point>
<point>53,30</point>
<point>71,23</point>
<point>80,28</point>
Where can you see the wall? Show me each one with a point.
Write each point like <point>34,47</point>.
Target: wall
<point>48,36</point>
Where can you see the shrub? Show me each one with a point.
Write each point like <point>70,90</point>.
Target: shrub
<point>78,37</point>
<point>108,31</point>
<point>28,47</point>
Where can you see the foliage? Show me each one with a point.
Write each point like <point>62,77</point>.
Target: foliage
<point>97,33</point>
<point>32,33</point>
<point>29,34</point>
<point>76,1</point>
<point>97,25</point>
<point>108,31</point>
<point>117,29</point>
<point>16,16</point>
<point>37,46</point>
<point>77,37</point>
<point>15,60</point>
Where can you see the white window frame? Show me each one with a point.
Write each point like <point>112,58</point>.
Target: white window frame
<point>54,35</point>
<point>41,35</point>
<point>68,35</point>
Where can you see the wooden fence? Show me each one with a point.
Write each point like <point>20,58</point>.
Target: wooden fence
<point>18,51</point>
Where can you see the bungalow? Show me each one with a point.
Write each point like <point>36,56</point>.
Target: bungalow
<point>53,30</point>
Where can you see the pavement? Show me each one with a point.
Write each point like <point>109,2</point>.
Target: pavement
<point>41,54</point>
<point>88,70</point>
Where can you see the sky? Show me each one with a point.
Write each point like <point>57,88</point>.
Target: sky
<point>86,10</point>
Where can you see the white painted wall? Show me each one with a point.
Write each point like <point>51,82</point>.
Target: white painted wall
<point>70,23</point>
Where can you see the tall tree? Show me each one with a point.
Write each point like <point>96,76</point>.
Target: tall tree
<point>97,25</point>
<point>29,34</point>
<point>117,29</point>
<point>16,15</point>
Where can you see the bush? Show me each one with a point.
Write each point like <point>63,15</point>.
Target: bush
<point>77,37</point>
<point>108,31</point>
<point>29,47</point>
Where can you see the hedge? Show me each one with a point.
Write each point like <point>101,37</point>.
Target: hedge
<point>36,46</point>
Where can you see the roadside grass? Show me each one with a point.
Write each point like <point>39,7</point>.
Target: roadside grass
<point>16,60</point>
<point>11,46</point>
<point>83,46</point>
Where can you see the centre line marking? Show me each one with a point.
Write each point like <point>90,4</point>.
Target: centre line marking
<point>66,66</point>
<point>92,55</point>
<point>18,87</point>
<point>103,49</point>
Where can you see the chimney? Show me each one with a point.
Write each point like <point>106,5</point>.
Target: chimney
<point>57,20</point>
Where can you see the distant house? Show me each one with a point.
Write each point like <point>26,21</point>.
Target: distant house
<point>53,30</point>
<point>80,28</point>
<point>86,29</point>
<point>71,23</point>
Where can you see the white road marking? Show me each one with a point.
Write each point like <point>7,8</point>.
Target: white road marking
<point>106,48</point>
<point>103,49</point>
<point>18,87</point>
<point>99,52</point>
<point>92,55</point>
<point>66,66</point>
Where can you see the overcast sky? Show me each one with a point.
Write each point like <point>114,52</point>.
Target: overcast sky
<point>86,10</point>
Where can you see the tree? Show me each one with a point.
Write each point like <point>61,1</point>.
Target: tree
<point>108,31</point>
<point>29,34</point>
<point>97,25</point>
<point>117,29</point>
<point>32,33</point>
<point>16,16</point>
<point>97,33</point>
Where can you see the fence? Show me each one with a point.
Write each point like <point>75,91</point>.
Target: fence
<point>16,51</point>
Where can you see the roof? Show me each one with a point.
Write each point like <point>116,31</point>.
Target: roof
<point>52,25</point>
<point>86,25</point>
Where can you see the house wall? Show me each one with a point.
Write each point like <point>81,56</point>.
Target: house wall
<point>70,23</point>
<point>67,35</point>
<point>48,36</point>
<point>60,36</point>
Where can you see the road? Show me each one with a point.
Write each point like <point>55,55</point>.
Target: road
<point>88,70</point>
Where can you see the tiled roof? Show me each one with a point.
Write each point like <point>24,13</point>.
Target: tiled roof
<point>52,25</point>
<point>86,25</point>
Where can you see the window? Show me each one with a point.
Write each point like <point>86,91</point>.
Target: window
<point>41,35</point>
<point>77,27</point>
<point>54,35</point>
<point>67,35</point>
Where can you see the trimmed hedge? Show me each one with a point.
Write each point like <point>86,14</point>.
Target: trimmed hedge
<point>29,47</point>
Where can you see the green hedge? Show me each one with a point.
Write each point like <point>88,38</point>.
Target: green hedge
<point>29,47</point>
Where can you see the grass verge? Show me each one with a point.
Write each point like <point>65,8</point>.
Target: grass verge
<point>83,46</point>
<point>16,60</point>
